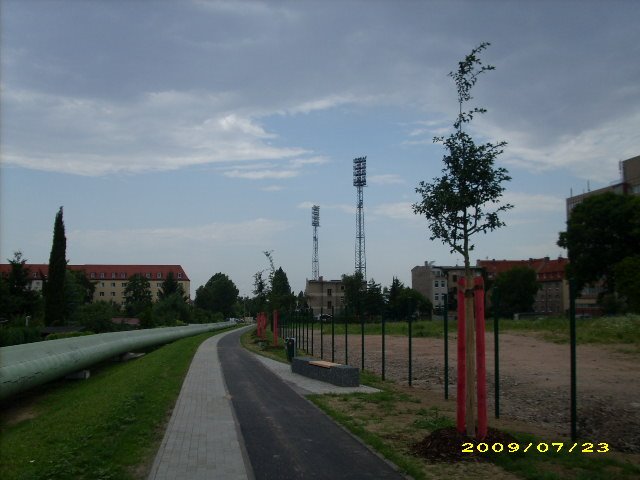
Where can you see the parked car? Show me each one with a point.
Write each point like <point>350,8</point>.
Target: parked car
<point>323,317</point>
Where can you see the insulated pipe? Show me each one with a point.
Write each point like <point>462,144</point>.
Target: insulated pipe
<point>26,366</point>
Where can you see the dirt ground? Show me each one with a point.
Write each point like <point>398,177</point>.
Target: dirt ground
<point>534,381</point>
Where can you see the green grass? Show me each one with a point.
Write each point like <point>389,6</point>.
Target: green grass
<point>603,330</point>
<point>106,427</point>
<point>362,415</point>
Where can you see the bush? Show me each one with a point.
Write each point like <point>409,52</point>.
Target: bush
<point>19,335</point>
<point>58,336</point>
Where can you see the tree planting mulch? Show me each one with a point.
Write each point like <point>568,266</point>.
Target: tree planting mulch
<point>446,445</point>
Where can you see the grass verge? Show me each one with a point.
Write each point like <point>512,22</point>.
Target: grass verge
<point>393,420</point>
<point>107,427</point>
<point>603,330</point>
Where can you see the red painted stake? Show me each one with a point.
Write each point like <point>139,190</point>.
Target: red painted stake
<point>462,362</point>
<point>480,359</point>
<point>275,327</point>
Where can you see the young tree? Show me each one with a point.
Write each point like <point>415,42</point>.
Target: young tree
<point>54,306</point>
<point>394,309</point>
<point>627,274</point>
<point>137,295</point>
<point>454,204</point>
<point>518,287</point>
<point>373,299</point>
<point>19,299</point>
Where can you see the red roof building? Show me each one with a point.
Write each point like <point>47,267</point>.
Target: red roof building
<point>110,280</point>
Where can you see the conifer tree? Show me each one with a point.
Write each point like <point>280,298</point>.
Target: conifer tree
<point>54,306</point>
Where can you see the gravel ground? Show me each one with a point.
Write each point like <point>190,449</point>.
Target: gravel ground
<point>534,380</point>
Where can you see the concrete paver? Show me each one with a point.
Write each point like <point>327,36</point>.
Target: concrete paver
<point>202,441</point>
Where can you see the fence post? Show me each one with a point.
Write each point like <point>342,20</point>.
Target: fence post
<point>312,333</point>
<point>572,334</point>
<point>481,370</point>
<point>383,346</point>
<point>321,336</point>
<point>496,349</point>
<point>446,347</point>
<point>346,340</point>
<point>462,363</point>
<point>333,335</point>
<point>362,338</point>
<point>410,355</point>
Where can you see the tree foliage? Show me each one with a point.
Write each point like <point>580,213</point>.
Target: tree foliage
<point>280,296</point>
<point>55,307</point>
<point>169,287</point>
<point>219,294</point>
<point>627,273</point>
<point>137,295</point>
<point>455,203</point>
<point>601,231</point>
<point>354,292</point>
<point>17,299</point>
<point>517,289</point>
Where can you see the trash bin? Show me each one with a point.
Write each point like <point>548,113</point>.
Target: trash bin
<point>290,346</point>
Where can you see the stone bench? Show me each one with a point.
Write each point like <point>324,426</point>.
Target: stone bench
<point>334,373</point>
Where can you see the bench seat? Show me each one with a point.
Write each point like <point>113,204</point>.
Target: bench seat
<point>334,373</point>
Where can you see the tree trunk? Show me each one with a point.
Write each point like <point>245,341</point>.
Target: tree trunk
<point>470,418</point>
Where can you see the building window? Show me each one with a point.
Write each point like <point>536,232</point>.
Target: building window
<point>179,275</point>
<point>102,294</point>
<point>124,284</point>
<point>148,275</point>
<point>123,275</point>
<point>101,274</point>
<point>329,304</point>
<point>113,294</point>
<point>113,284</point>
<point>328,292</point>
<point>93,274</point>
<point>159,275</point>
<point>102,284</point>
<point>437,297</point>
<point>113,274</point>
<point>159,285</point>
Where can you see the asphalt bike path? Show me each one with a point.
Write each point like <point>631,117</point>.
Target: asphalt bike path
<point>285,435</point>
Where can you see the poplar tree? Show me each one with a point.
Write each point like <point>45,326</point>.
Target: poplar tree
<point>54,305</point>
<point>455,204</point>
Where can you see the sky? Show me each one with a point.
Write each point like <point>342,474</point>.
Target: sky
<point>201,133</point>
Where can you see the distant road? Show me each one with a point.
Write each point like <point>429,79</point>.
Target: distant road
<point>287,437</point>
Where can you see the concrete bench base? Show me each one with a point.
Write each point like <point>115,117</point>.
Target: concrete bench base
<point>334,373</point>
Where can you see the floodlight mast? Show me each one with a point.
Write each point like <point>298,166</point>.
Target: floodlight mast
<point>360,181</point>
<point>315,222</point>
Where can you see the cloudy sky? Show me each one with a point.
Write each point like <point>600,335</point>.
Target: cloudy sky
<point>201,132</point>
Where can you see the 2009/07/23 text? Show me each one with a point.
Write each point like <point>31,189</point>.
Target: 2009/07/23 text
<point>541,447</point>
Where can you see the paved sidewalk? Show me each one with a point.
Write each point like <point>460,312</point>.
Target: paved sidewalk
<point>202,441</point>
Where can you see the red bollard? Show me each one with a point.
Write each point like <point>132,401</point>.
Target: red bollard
<point>480,359</point>
<point>276,316</point>
<point>462,362</point>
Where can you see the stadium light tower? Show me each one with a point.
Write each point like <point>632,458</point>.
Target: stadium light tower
<point>360,181</point>
<point>315,221</point>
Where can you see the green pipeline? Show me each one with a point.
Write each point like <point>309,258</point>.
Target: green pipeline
<point>26,366</point>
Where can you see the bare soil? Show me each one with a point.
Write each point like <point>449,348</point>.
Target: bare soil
<point>534,381</point>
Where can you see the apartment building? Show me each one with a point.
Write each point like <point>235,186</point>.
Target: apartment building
<point>111,280</point>
<point>434,282</point>
<point>323,295</point>
<point>553,296</point>
<point>629,184</point>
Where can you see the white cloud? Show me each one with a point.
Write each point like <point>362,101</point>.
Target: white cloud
<point>161,131</point>
<point>261,174</point>
<point>251,232</point>
<point>395,211</point>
